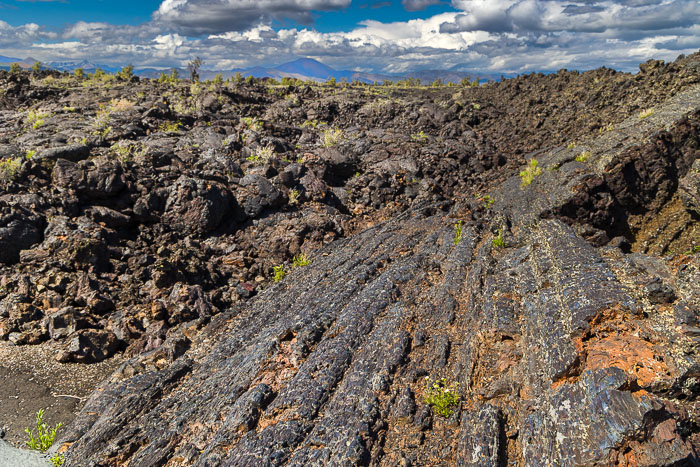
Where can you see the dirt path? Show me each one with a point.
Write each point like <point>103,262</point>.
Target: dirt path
<point>32,379</point>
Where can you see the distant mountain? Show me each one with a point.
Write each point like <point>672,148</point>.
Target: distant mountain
<point>304,69</point>
<point>88,67</point>
<point>310,69</point>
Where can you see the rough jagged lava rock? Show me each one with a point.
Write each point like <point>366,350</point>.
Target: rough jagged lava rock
<point>151,216</point>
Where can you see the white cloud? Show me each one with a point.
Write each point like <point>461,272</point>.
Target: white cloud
<point>219,16</point>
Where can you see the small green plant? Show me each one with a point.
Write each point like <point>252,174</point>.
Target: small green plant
<point>420,136</point>
<point>294,197</point>
<point>458,233</point>
<point>45,435</point>
<point>498,241</point>
<point>299,261</point>
<point>57,460</point>
<point>486,199</point>
<point>279,272</point>
<point>442,397</point>
<point>583,157</point>
<point>312,124</point>
<point>252,123</point>
<point>476,106</point>
<point>331,137</point>
<point>126,73</point>
<point>15,68</point>
<point>170,127</point>
<point>36,118</point>
<point>262,154</point>
<point>571,145</point>
<point>645,114</point>
<point>531,171</point>
<point>9,168</point>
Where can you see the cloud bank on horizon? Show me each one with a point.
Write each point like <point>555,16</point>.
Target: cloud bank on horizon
<point>510,36</point>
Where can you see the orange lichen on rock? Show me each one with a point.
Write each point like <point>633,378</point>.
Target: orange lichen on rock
<point>629,353</point>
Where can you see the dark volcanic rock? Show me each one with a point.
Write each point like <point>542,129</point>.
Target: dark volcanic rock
<point>287,270</point>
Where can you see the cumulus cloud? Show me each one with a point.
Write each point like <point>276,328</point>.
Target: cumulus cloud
<point>416,5</point>
<point>217,16</point>
<point>537,16</point>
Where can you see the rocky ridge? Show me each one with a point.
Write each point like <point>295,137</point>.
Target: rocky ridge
<point>156,250</point>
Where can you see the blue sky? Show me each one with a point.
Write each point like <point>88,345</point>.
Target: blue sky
<point>367,35</point>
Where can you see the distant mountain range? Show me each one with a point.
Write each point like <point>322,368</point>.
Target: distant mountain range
<point>304,69</point>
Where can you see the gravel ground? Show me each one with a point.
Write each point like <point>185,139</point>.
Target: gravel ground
<point>32,379</point>
<point>11,456</point>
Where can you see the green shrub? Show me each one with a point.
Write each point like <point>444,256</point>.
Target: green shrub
<point>279,272</point>
<point>299,261</point>
<point>252,123</point>
<point>170,127</point>
<point>583,157</point>
<point>45,435</point>
<point>126,73</point>
<point>645,114</point>
<point>530,172</point>
<point>420,136</point>
<point>458,233</point>
<point>15,68</point>
<point>443,398</point>
<point>294,197</point>
<point>331,137</point>
<point>9,168</point>
<point>498,241</point>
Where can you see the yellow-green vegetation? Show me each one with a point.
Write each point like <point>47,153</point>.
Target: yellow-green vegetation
<point>476,106</point>
<point>498,241</point>
<point>420,136</point>
<point>79,73</point>
<point>126,73</point>
<point>645,114</point>
<point>170,127</point>
<point>44,438</point>
<point>531,171</point>
<point>294,197</point>
<point>442,397</point>
<point>583,157</point>
<point>45,435</point>
<point>172,78</point>
<point>458,233</point>
<point>9,168</point>
<point>252,123</point>
<point>312,123</point>
<point>486,199</point>
<point>299,261</point>
<point>36,118</point>
<point>262,154</point>
<point>120,105</point>
<point>279,272</point>
<point>30,153</point>
<point>571,145</point>
<point>331,137</point>
<point>15,68</point>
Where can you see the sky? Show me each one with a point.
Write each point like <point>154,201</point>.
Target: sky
<point>392,36</point>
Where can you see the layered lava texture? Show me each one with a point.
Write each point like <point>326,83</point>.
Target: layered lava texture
<point>534,242</point>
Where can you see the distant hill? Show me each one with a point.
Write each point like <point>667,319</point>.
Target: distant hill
<point>304,69</point>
